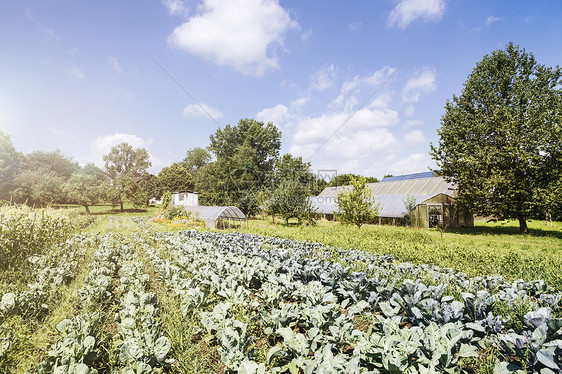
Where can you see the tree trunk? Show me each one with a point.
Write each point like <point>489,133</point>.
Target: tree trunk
<point>87,209</point>
<point>522,224</point>
<point>122,209</point>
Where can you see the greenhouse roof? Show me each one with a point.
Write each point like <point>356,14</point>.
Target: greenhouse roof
<point>426,174</point>
<point>389,205</point>
<point>391,194</point>
<point>210,214</point>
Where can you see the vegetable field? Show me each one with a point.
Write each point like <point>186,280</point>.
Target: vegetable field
<point>211,302</point>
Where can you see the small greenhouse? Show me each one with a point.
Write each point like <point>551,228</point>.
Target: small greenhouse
<point>435,200</point>
<point>218,216</point>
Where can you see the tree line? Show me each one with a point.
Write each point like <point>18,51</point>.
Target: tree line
<point>241,166</point>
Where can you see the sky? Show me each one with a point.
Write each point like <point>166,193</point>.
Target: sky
<point>354,86</point>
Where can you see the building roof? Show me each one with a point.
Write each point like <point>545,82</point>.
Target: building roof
<point>391,194</point>
<point>425,174</point>
<point>215,212</point>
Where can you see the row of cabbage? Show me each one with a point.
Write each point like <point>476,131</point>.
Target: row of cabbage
<point>81,349</point>
<point>310,304</point>
<point>54,269</point>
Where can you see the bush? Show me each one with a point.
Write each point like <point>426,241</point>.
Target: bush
<point>166,198</point>
<point>175,212</point>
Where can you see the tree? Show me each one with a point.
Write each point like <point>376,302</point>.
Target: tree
<point>345,180</point>
<point>290,200</point>
<point>151,186</point>
<point>126,166</point>
<point>87,186</point>
<point>10,162</point>
<point>355,204</point>
<point>500,140</point>
<point>195,159</point>
<point>41,178</point>
<point>176,178</point>
<point>245,156</point>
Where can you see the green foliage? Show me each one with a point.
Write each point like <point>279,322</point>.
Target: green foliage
<point>290,200</point>
<point>176,178</point>
<point>41,178</point>
<point>245,158</point>
<point>409,204</point>
<point>126,166</point>
<point>25,232</point>
<point>356,205</point>
<point>86,187</point>
<point>151,186</point>
<point>500,140</point>
<point>346,179</point>
<point>175,212</point>
<point>166,199</point>
<point>10,161</point>
<point>195,159</point>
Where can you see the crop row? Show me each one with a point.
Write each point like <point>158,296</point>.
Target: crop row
<point>312,305</point>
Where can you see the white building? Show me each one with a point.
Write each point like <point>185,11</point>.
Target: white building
<point>185,198</point>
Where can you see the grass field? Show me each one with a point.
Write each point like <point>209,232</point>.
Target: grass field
<point>93,284</point>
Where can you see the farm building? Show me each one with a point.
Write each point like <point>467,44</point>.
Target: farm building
<point>185,198</point>
<point>435,200</point>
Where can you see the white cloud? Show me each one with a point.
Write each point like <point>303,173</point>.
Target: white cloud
<point>491,20</point>
<point>195,111</point>
<point>409,10</point>
<point>423,83</point>
<point>373,80</point>
<point>242,34</point>
<point>355,26</point>
<point>415,162</point>
<point>75,71</point>
<point>278,115</point>
<point>112,61</point>
<point>323,78</point>
<point>175,7</point>
<point>414,137</point>
<point>103,144</point>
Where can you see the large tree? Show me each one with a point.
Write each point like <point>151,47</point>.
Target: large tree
<point>175,178</point>
<point>245,157</point>
<point>126,166</point>
<point>500,139</point>
<point>87,186</point>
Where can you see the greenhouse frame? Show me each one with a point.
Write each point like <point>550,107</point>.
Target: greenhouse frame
<point>435,201</point>
<point>218,216</point>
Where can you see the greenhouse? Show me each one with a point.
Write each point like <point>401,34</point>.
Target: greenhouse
<point>434,199</point>
<point>218,216</point>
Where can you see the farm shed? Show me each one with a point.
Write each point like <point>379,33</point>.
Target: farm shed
<point>217,216</point>
<point>435,200</point>
<point>185,198</point>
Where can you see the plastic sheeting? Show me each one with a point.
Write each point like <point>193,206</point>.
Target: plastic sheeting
<point>390,195</point>
<point>211,214</point>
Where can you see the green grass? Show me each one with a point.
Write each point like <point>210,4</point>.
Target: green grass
<point>486,249</point>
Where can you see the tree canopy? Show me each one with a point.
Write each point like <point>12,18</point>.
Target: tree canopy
<point>500,139</point>
<point>126,166</point>
<point>245,157</point>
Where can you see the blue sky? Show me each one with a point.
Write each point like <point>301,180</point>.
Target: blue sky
<point>355,86</point>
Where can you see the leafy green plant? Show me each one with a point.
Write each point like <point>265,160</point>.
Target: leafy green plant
<point>356,206</point>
